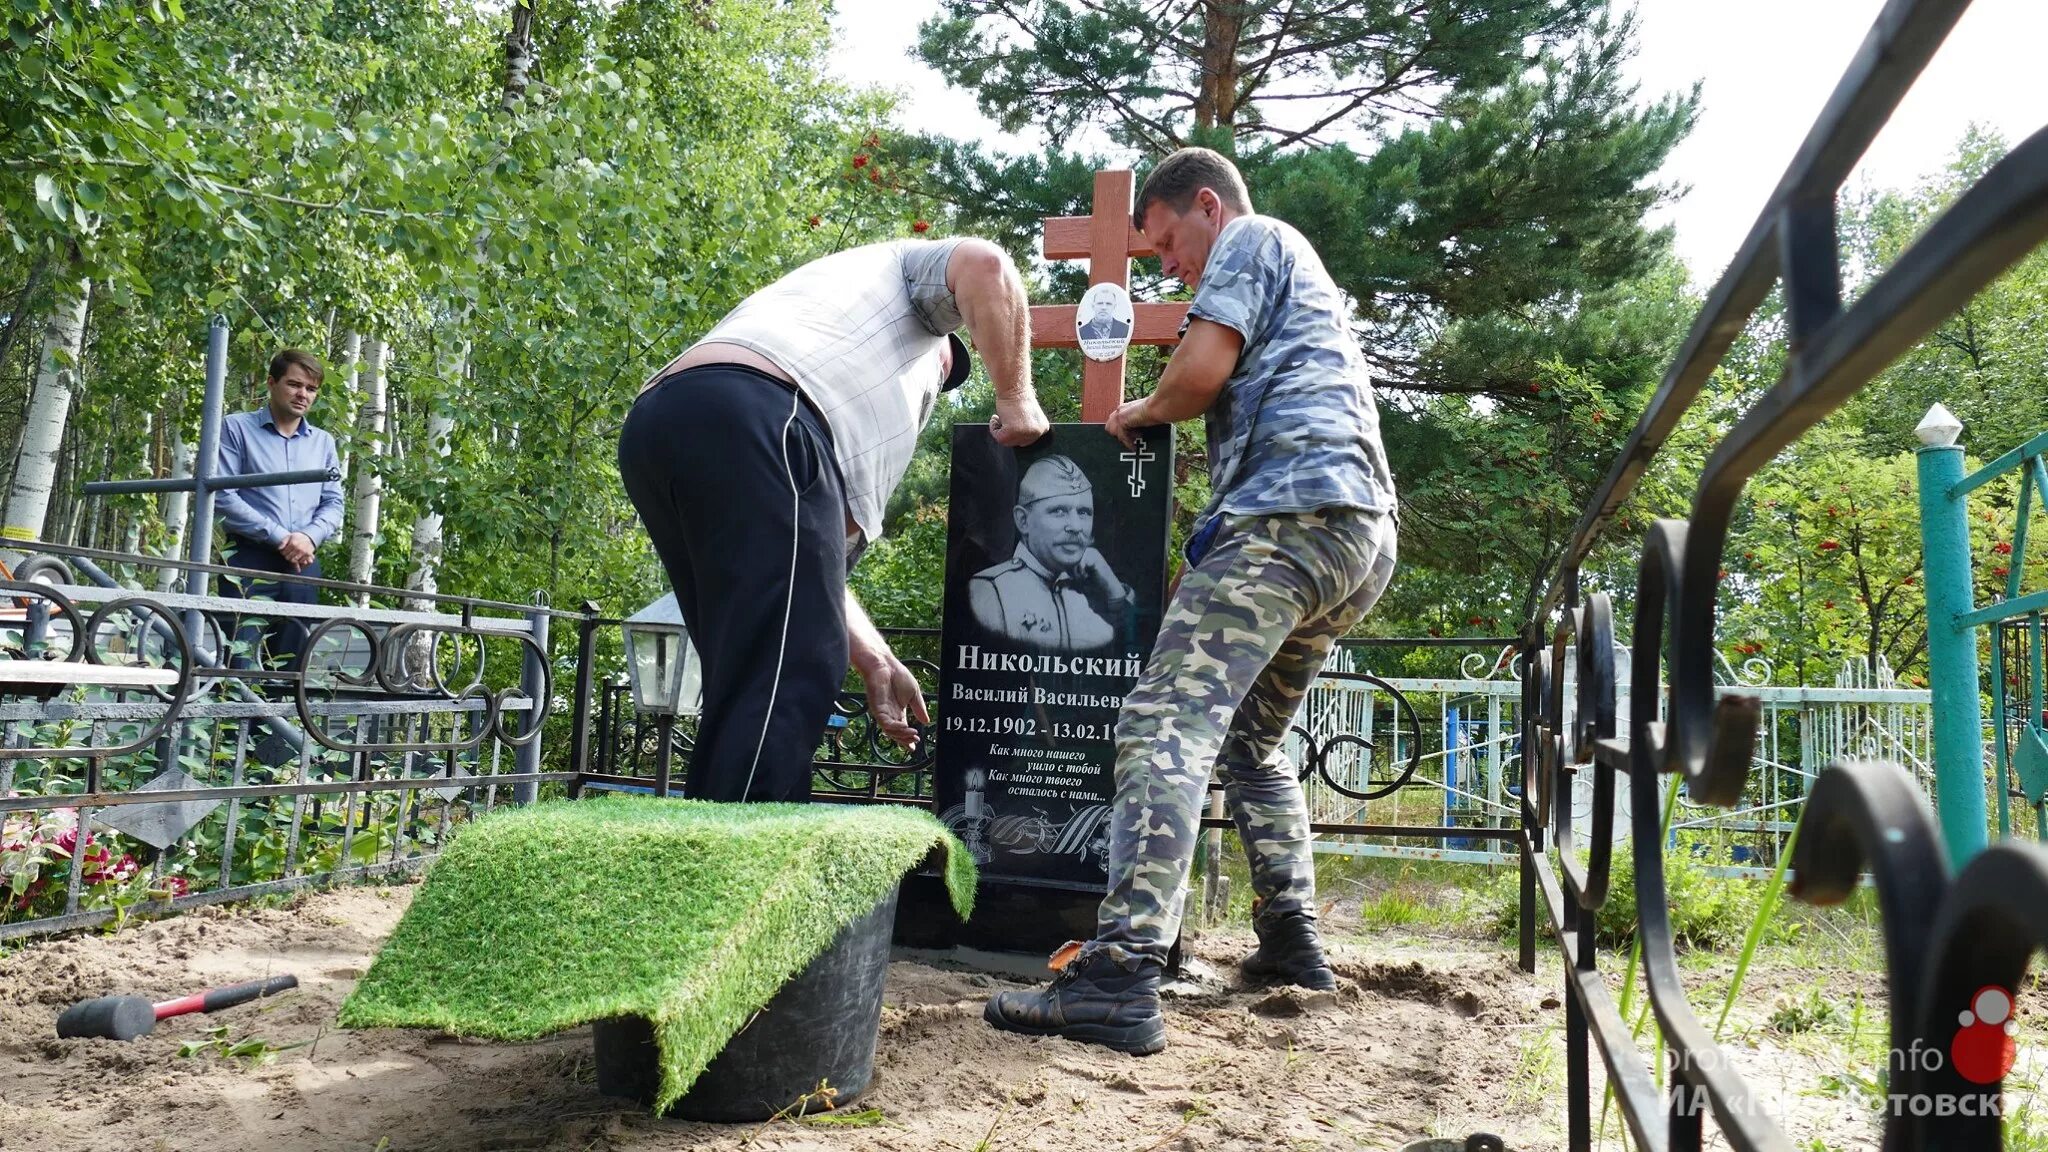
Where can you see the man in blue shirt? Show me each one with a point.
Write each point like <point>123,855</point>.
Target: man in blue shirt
<point>1295,546</point>
<point>278,528</point>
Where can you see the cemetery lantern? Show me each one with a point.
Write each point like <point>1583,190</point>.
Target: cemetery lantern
<point>667,681</point>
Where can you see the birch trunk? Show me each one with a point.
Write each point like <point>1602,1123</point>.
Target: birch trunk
<point>351,354</point>
<point>88,516</point>
<point>426,531</point>
<point>131,540</point>
<point>49,406</point>
<point>369,478</point>
<point>518,56</point>
<point>177,506</point>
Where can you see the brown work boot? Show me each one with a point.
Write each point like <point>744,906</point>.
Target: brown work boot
<point>1290,952</point>
<point>1094,1000</point>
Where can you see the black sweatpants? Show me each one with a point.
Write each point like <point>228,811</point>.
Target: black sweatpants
<point>734,477</point>
<point>276,641</point>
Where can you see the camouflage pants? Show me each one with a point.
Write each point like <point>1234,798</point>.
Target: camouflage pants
<point>1244,637</point>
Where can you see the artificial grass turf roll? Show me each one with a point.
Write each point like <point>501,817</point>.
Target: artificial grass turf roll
<point>690,914</point>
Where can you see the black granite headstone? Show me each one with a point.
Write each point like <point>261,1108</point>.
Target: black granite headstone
<point>1055,584</point>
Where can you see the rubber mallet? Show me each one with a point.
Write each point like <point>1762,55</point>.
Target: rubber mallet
<point>132,1017</point>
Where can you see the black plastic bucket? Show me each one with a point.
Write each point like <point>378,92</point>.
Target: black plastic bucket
<point>820,1028</point>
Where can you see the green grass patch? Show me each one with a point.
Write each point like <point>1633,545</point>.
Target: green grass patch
<point>690,914</point>
<point>1432,896</point>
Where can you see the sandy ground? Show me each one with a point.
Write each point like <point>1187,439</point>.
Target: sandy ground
<point>1416,1042</point>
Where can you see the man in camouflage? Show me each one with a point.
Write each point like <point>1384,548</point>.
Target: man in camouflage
<point>1294,547</point>
<point>1040,597</point>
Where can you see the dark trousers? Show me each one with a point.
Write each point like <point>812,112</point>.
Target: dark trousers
<point>272,642</point>
<point>735,480</point>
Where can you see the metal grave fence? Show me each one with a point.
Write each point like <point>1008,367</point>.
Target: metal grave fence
<point>148,763</point>
<point>1954,921</point>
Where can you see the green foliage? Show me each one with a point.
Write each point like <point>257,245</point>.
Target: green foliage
<point>335,167</point>
<point>898,578</point>
<point>251,1052</point>
<point>1829,560</point>
<point>1823,559</point>
<point>1708,912</point>
<point>701,914</point>
<point>1155,75</point>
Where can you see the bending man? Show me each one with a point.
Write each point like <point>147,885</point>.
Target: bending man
<point>761,460</point>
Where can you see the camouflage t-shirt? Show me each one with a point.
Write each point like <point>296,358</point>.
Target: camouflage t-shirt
<point>1295,427</point>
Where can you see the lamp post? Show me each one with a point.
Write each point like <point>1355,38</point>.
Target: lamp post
<point>667,681</point>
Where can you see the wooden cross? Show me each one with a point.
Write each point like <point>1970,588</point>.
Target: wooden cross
<point>1107,241</point>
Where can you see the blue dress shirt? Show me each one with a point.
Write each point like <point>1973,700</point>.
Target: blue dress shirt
<point>250,443</point>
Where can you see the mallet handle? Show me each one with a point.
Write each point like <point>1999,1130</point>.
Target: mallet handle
<point>214,999</point>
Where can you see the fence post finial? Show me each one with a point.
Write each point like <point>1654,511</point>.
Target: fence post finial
<point>1939,428</point>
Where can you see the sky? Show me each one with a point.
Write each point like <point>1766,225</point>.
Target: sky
<point>1766,68</point>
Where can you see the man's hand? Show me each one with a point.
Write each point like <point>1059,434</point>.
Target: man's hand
<point>297,550</point>
<point>1097,569</point>
<point>1127,419</point>
<point>1018,421</point>
<point>895,699</point>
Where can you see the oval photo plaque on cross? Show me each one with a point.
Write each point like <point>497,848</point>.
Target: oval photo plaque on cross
<point>1103,322</point>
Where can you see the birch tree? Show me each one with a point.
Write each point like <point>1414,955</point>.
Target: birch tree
<point>368,479</point>
<point>177,506</point>
<point>42,435</point>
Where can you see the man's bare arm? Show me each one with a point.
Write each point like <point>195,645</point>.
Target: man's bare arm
<point>1194,376</point>
<point>895,699</point>
<point>991,298</point>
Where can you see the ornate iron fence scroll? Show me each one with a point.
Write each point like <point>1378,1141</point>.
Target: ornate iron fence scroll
<point>1359,757</point>
<point>123,626</point>
<point>1861,816</point>
<point>405,661</point>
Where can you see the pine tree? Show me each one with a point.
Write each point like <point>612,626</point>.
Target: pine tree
<point>1475,174</point>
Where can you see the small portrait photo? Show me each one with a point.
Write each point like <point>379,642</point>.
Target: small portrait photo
<point>1103,322</point>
